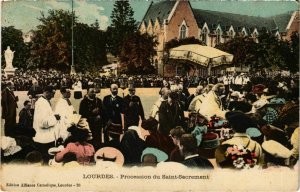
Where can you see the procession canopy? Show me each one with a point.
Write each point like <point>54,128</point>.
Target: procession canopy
<point>110,66</point>
<point>202,55</point>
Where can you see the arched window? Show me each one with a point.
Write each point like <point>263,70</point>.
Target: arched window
<point>204,36</point>
<point>218,38</point>
<point>254,36</point>
<point>182,32</point>
<point>277,35</point>
<point>243,33</point>
<point>230,34</point>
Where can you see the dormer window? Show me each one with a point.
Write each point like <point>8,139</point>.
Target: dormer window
<point>218,36</point>
<point>183,30</point>
<point>204,36</point>
<point>255,35</point>
<point>243,33</point>
<point>230,34</point>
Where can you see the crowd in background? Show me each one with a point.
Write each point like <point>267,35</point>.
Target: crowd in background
<point>23,80</point>
<point>241,121</point>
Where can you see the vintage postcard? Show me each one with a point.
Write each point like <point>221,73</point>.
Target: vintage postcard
<point>162,95</point>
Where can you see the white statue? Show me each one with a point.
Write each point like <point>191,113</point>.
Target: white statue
<point>9,55</point>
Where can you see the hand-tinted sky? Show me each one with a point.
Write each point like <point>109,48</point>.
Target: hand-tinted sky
<point>23,14</point>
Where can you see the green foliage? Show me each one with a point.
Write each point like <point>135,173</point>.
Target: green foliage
<point>137,53</point>
<point>52,43</point>
<point>123,24</point>
<point>13,37</point>
<point>294,45</point>
<point>51,46</point>
<point>175,43</point>
<point>243,49</point>
<point>269,52</point>
<point>89,47</point>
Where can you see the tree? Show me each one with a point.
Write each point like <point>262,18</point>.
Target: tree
<point>51,46</point>
<point>89,43</point>
<point>243,49</point>
<point>269,52</point>
<point>175,43</point>
<point>137,52</point>
<point>294,46</point>
<point>13,37</point>
<point>123,24</point>
<point>52,43</point>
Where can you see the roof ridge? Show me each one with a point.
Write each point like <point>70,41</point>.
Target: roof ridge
<point>282,14</point>
<point>228,13</point>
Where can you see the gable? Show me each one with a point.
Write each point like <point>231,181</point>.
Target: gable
<point>282,21</point>
<point>156,26</point>
<point>160,11</point>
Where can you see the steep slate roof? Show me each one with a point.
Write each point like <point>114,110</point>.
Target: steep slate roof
<point>213,18</point>
<point>160,10</point>
<point>282,20</point>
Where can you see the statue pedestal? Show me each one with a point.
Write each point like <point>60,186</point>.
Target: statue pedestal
<point>9,72</point>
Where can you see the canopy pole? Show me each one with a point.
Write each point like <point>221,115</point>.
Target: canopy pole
<point>209,68</point>
<point>192,77</point>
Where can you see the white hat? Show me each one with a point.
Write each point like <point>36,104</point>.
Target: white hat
<point>236,94</point>
<point>9,146</point>
<point>260,103</point>
<point>109,154</point>
<point>276,149</point>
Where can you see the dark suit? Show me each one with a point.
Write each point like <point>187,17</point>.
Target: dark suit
<point>112,108</point>
<point>9,111</point>
<point>189,100</point>
<point>25,126</point>
<point>86,111</point>
<point>133,108</point>
<point>132,147</point>
<point>170,116</point>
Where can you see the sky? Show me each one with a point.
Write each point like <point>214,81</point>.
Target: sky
<point>23,14</point>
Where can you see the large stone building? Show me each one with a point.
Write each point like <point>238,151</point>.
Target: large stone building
<point>178,20</point>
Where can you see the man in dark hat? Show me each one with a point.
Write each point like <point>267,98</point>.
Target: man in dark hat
<point>91,109</point>
<point>133,109</point>
<point>171,114</point>
<point>188,148</point>
<point>113,109</point>
<point>9,109</point>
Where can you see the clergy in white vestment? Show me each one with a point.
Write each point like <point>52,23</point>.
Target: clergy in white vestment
<point>44,123</point>
<point>65,110</point>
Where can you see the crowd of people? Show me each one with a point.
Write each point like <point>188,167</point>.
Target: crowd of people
<point>24,79</point>
<point>239,122</point>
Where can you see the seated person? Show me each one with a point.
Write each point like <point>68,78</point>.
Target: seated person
<point>83,150</point>
<point>189,149</point>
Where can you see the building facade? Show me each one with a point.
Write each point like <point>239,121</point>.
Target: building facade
<point>169,20</point>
